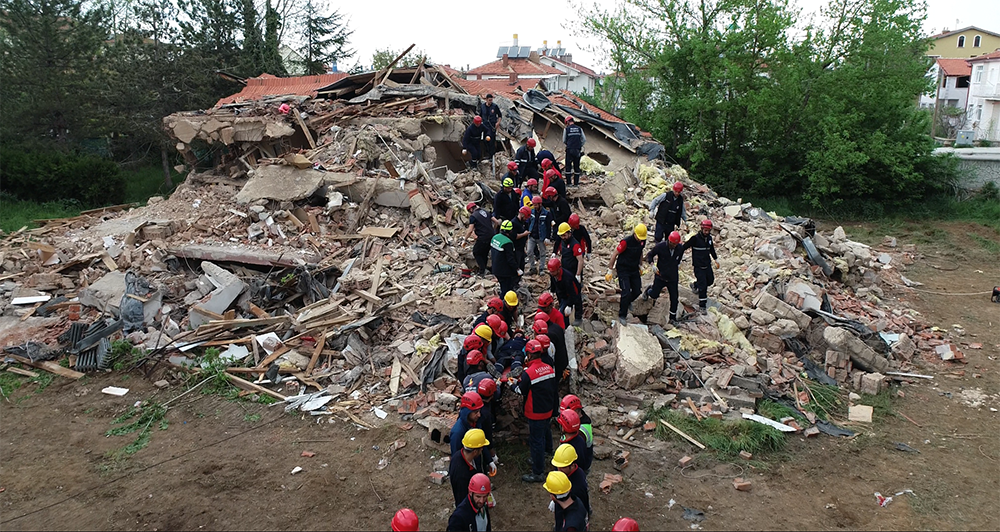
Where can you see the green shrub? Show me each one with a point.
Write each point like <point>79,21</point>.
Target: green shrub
<point>46,175</point>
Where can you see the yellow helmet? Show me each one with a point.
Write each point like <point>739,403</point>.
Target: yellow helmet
<point>564,457</point>
<point>526,202</point>
<point>640,231</point>
<point>475,439</point>
<point>564,228</point>
<point>485,332</point>
<point>557,483</point>
<point>511,298</point>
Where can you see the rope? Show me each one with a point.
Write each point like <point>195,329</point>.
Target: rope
<point>988,292</point>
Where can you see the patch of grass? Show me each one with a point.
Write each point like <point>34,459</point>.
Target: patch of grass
<point>726,438</point>
<point>251,418</point>
<point>9,382</point>
<point>143,182</point>
<point>43,380</point>
<point>825,400</point>
<point>991,246</point>
<point>148,415</point>
<point>15,213</point>
<point>776,411</point>
<point>882,404</point>
<point>215,370</point>
<point>124,355</point>
<point>514,454</point>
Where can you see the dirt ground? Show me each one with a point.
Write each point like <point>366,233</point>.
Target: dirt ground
<point>225,465</point>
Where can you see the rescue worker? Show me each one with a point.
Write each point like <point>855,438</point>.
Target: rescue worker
<point>505,203</point>
<point>546,304</point>
<point>668,211</point>
<point>567,288</point>
<point>569,421</point>
<point>539,228</point>
<point>504,257</point>
<point>521,233</point>
<point>493,306</point>
<point>572,402</point>
<point>625,524</point>
<point>475,364</point>
<point>566,460</point>
<point>491,116</point>
<point>405,520</point>
<point>667,257</point>
<point>468,418</point>
<point>472,343</point>
<point>513,174</point>
<point>549,352</point>
<point>574,139</point>
<point>581,234</point>
<point>487,389</point>
<point>560,353</point>
<point>541,328</point>
<point>571,516</point>
<point>527,163</point>
<point>480,224</point>
<point>570,251</point>
<point>546,154</point>
<point>626,260</point>
<point>555,180</point>
<point>529,192</point>
<point>466,462</point>
<point>510,308</point>
<point>473,514</point>
<point>538,386</point>
<point>557,205</point>
<point>495,328</point>
<point>475,142</point>
<point>703,256</point>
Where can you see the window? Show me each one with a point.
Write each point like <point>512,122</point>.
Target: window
<point>944,82</point>
<point>977,40</point>
<point>962,82</point>
<point>979,112</point>
<point>961,41</point>
<point>977,75</point>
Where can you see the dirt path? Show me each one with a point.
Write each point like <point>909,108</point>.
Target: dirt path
<point>226,465</point>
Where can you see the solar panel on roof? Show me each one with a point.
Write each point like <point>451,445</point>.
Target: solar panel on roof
<point>524,52</point>
<point>503,50</point>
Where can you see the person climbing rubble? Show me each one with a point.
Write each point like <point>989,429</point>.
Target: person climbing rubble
<point>521,234</point>
<point>556,181</point>
<point>505,203</point>
<point>574,139</point>
<point>546,155</point>
<point>480,224</point>
<point>581,234</point>
<point>527,163</point>
<point>540,229</point>
<point>511,307</point>
<point>567,288</point>
<point>703,257</point>
<point>473,514</point>
<point>668,211</point>
<point>626,260</point>
<point>538,386</point>
<point>491,116</point>
<point>468,461</point>
<point>513,174</point>
<point>476,141</point>
<point>557,205</point>
<point>557,335</point>
<point>666,258</point>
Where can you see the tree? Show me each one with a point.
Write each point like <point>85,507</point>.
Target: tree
<point>830,114</point>
<point>272,62</point>
<point>382,58</point>
<point>324,39</point>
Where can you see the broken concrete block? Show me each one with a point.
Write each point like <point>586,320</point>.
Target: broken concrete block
<point>839,235</point>
<point>807,296</point>
<point>438,477</point>
<point>745,455</point>
<point>904,347</point>
<point>608,361</point>
<point>662,401</point>
<point>602,452</point>
<point>107,291</point>
<point>871,383</point>
<point>812,432</point>
<point>784,328</point>
<point>640,356</point>
<point>861,355</point>
<point>228,288</point>
<point>762,317</point>
<point>860,413</point>
<point>780,309</point>
<point>598,415</point>
<point>280,183</point>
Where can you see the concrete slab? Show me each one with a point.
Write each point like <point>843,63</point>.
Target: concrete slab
<point>228,288</point>
<point>280,183</point>
<point>639,356</point>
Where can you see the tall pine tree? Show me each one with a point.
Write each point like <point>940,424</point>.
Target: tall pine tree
<point>324,39</point>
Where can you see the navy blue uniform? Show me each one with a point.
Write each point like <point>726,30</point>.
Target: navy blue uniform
<point>573,518</point>
<point>702,252</point>
<point>574,139</point>
<point>460,473</point>
<point>527,163</point>
<point>465,517</point>
<point>667,262</point>
<point>627,266</point>
<point>474,141</point>
<point>483,224</point>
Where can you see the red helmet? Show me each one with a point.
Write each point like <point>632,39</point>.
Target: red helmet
<point>544,340</point>
<point>540,327</point>
<point>533,346</point>
<point>473,342</point>
<point>405,520</point>
<point>674,237</point>
<point>625,524</point>
<point>546,163</point>
<point>554,264</point>
<point>512,165</point>
<point>487,387</point>
<point>574,221</point>
<point>570,402</point>
<point>569,420</point>
<point>550,173</point>
<point>706,223</point>
<point>525,211</point>
<point>503,329</point>
<point>470,207</point>
<point>494,321</point>
<point>542,316</point>
<point>475,357</point>
<point>531,182</point>
<point>531,143</point>
<point>473,401</point>
<point>678,186</point>
<point>550,192</point>
<point>517,191</point>
<point>545,300</point>
<point>495,303</point>
<point>568,119</point>
<point>480,483</point>
<point>478,120</point>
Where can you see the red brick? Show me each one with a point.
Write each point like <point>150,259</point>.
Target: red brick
<point>648,426</point>
<point>438,478</point>
<point>742,485</point>
<point>683,462</point>
<point>745,455</point>
<point>308,454</point>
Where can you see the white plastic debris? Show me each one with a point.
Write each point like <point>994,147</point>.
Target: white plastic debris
<point>296,470</point>
<point>114,390</point>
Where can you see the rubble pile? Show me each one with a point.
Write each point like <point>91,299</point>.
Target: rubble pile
<point>320,257</point>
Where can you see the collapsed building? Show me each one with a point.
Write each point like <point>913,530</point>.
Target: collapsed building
<point>314,243</point>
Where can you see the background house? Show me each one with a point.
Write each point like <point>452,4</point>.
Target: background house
<point>984,97</point>
<point>522,66</point>
<point>963,43</point>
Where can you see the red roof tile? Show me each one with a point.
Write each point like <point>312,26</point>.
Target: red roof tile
<point>984,57</point>
<point>503,87</point>
<point>577,66</point>
<point>268,85</point>
<point>569,100</point>
<point>955,67</point>
<point>521,67</point>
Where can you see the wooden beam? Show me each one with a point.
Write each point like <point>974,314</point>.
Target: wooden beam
<point>23,372</point>
<point>273,356</point>
<point>49,366</point>
<point>316,352</point>
<point>249,386</point>
<point>302,124</point>
<point>683,434</point>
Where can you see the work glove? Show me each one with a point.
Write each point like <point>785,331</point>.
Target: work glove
<point>465,152</point>
<point>656,270</point>
<point>608,276</point>
<point>716,264</point>
<point>491,469</point>
<point>552,506</point>
<point>579,280</point>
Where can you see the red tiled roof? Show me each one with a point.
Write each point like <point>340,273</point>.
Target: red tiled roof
<point>955,67</point>
<point>984,57</point>
<point>268,85</point>
<point>577,66</point>
<point>569,100</point>
<point>521,67</point>
<point>503,87</point>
